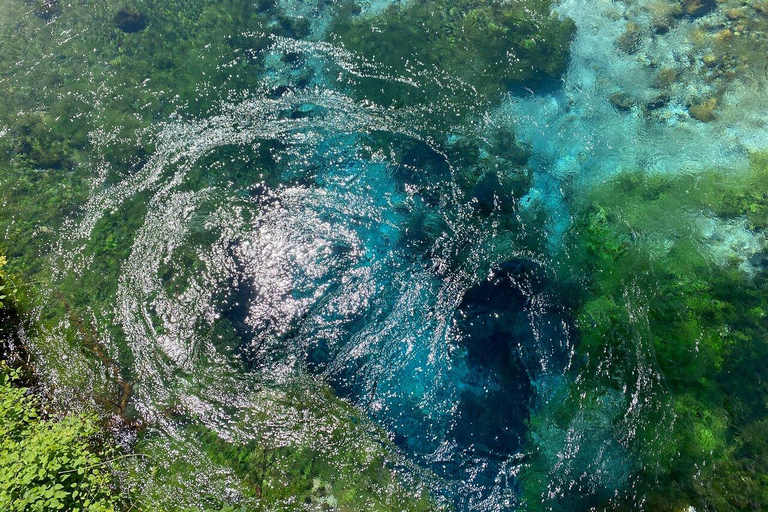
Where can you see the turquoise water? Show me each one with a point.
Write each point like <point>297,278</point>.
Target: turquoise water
<point>248,202</point>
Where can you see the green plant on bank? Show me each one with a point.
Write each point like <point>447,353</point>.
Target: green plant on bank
<point>672,335</point>
<point>49,464</point>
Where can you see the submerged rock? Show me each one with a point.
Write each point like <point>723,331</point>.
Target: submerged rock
<point>629,40</point>
<point>659,101</point>
<point>130,21</point>
<point>621,101</point>
<point>704,111</point>
<point>663,15</point>
<point>697,8</point>
<point>666,77</point>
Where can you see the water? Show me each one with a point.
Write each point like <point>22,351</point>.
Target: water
<point>259,208</point>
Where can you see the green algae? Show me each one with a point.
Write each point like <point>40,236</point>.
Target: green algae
<point>676,319</point>
<point>490,45</point>
<point>446,61</point>
<point>342,462</point>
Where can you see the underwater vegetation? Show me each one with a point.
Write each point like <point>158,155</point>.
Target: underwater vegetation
<point>491,46</point>
<point>346,467</point>
<point>666,292</point>
<point>297,255</point>
<point>474,50</point>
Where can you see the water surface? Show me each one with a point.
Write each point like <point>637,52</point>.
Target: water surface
<point>383,228</point>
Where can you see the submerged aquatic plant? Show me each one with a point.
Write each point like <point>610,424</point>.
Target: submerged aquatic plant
<point>667,324</point>
<point>449,57</point>
<point>135,173</point>
<point>491,45</point>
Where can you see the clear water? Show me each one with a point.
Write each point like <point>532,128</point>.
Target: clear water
<point>281,221</point>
